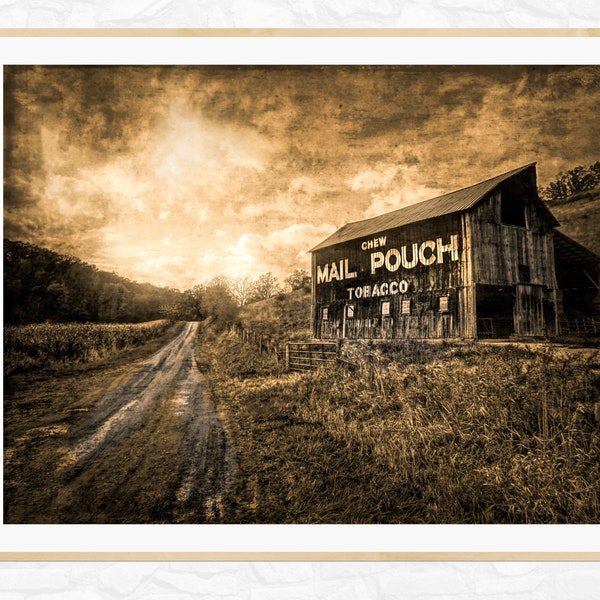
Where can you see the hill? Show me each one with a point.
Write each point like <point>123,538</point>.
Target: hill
<point>579,218</point>
<point>42,285</point>
<point>283,318</point>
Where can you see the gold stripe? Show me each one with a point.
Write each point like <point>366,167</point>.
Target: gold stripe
<point>299,32</point>
<point>301,556</point>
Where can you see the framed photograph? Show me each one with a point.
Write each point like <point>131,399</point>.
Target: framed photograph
<point>179,210</point>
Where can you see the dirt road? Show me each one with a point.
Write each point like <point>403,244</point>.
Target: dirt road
<point>137,443</point>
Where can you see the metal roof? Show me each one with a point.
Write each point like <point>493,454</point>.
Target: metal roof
<point>569,252</point>
<point>453,202</point>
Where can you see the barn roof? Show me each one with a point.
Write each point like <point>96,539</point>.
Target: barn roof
<point>453,202</point>
<point>570,252</point>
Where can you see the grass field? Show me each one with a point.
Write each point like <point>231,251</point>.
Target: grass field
<point>283,318</point>
<point>417,434</point>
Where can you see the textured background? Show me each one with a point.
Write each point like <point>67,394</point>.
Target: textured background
<point>300,13</point>
<point>302,581</point>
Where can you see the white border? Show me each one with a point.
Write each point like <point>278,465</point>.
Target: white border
<point>335,50</point>
<point>359,539</point>
<point>292,538</point>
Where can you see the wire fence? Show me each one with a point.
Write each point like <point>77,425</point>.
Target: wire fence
<point>581,326</point>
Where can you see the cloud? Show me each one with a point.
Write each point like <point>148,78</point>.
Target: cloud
<point>374,179</point>
<point>391,186</point>
<point>245,168</point>
<point>279,251</point>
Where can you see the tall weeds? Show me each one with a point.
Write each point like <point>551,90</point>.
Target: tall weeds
<point>417,434</point>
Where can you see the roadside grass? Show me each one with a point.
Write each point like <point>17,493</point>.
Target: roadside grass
<point>418,433</point>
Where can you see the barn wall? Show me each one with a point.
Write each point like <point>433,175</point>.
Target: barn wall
<point>361,269</point>
<point>499,249</point>
<point>521,258</point>
<point>467,292</point>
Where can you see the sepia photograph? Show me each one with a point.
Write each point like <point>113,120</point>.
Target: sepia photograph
<point>301,294</point>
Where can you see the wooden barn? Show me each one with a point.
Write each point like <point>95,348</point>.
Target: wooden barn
<point>475,263</point>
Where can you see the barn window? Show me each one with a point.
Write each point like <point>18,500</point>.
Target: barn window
<point>350,311</point>
<point>512,210</point>
<point>325,313</point>
<point>443,303</point>
<point>385,308</point>
<point>405,309</point>
<point>524,274</point>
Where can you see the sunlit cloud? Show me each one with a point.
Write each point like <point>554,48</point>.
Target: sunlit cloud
<point>374,179</point>
<point>390,187</point>
<point>279,252</point>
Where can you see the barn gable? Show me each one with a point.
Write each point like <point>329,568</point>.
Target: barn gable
<point>457,201</point>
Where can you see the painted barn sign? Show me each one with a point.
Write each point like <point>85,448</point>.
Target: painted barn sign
<point>363,282</point>
<point>478,262</point>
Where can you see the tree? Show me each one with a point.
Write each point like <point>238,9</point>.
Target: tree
<point>57,301</point>
<point>264,287</point>
<point>300,279</point>
<point>578,179</point>
<point>42,285</point>
<point>113,304</point>
<point>218,301</point>
<point>241,289</point>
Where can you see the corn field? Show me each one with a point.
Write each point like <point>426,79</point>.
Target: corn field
<point>43,344</point>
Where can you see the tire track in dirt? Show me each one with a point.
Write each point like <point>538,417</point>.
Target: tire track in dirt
<point>124,405</point>
<point>208,458</point>
<point>166,387</point>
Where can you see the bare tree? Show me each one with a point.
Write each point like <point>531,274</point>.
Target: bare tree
<point>241,288</point>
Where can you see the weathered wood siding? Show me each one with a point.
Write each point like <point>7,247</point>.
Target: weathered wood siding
<point>499,249</point>
<point>512,255</point>
<point>466,293</point>
<point>383,279</point>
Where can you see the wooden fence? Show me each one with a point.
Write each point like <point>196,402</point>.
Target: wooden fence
<point>296,356</point>
<point>306,356</point>
<point>263,343</point>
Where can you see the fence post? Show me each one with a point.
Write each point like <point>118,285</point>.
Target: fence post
<point>287,357</point>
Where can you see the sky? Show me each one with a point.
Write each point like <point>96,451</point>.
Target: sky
<point>173,175</point>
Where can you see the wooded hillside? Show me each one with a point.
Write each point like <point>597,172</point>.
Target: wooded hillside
<point>41,285</point>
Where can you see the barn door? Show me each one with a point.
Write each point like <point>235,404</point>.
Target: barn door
<point>495,311</point>
<point>348,324</point>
